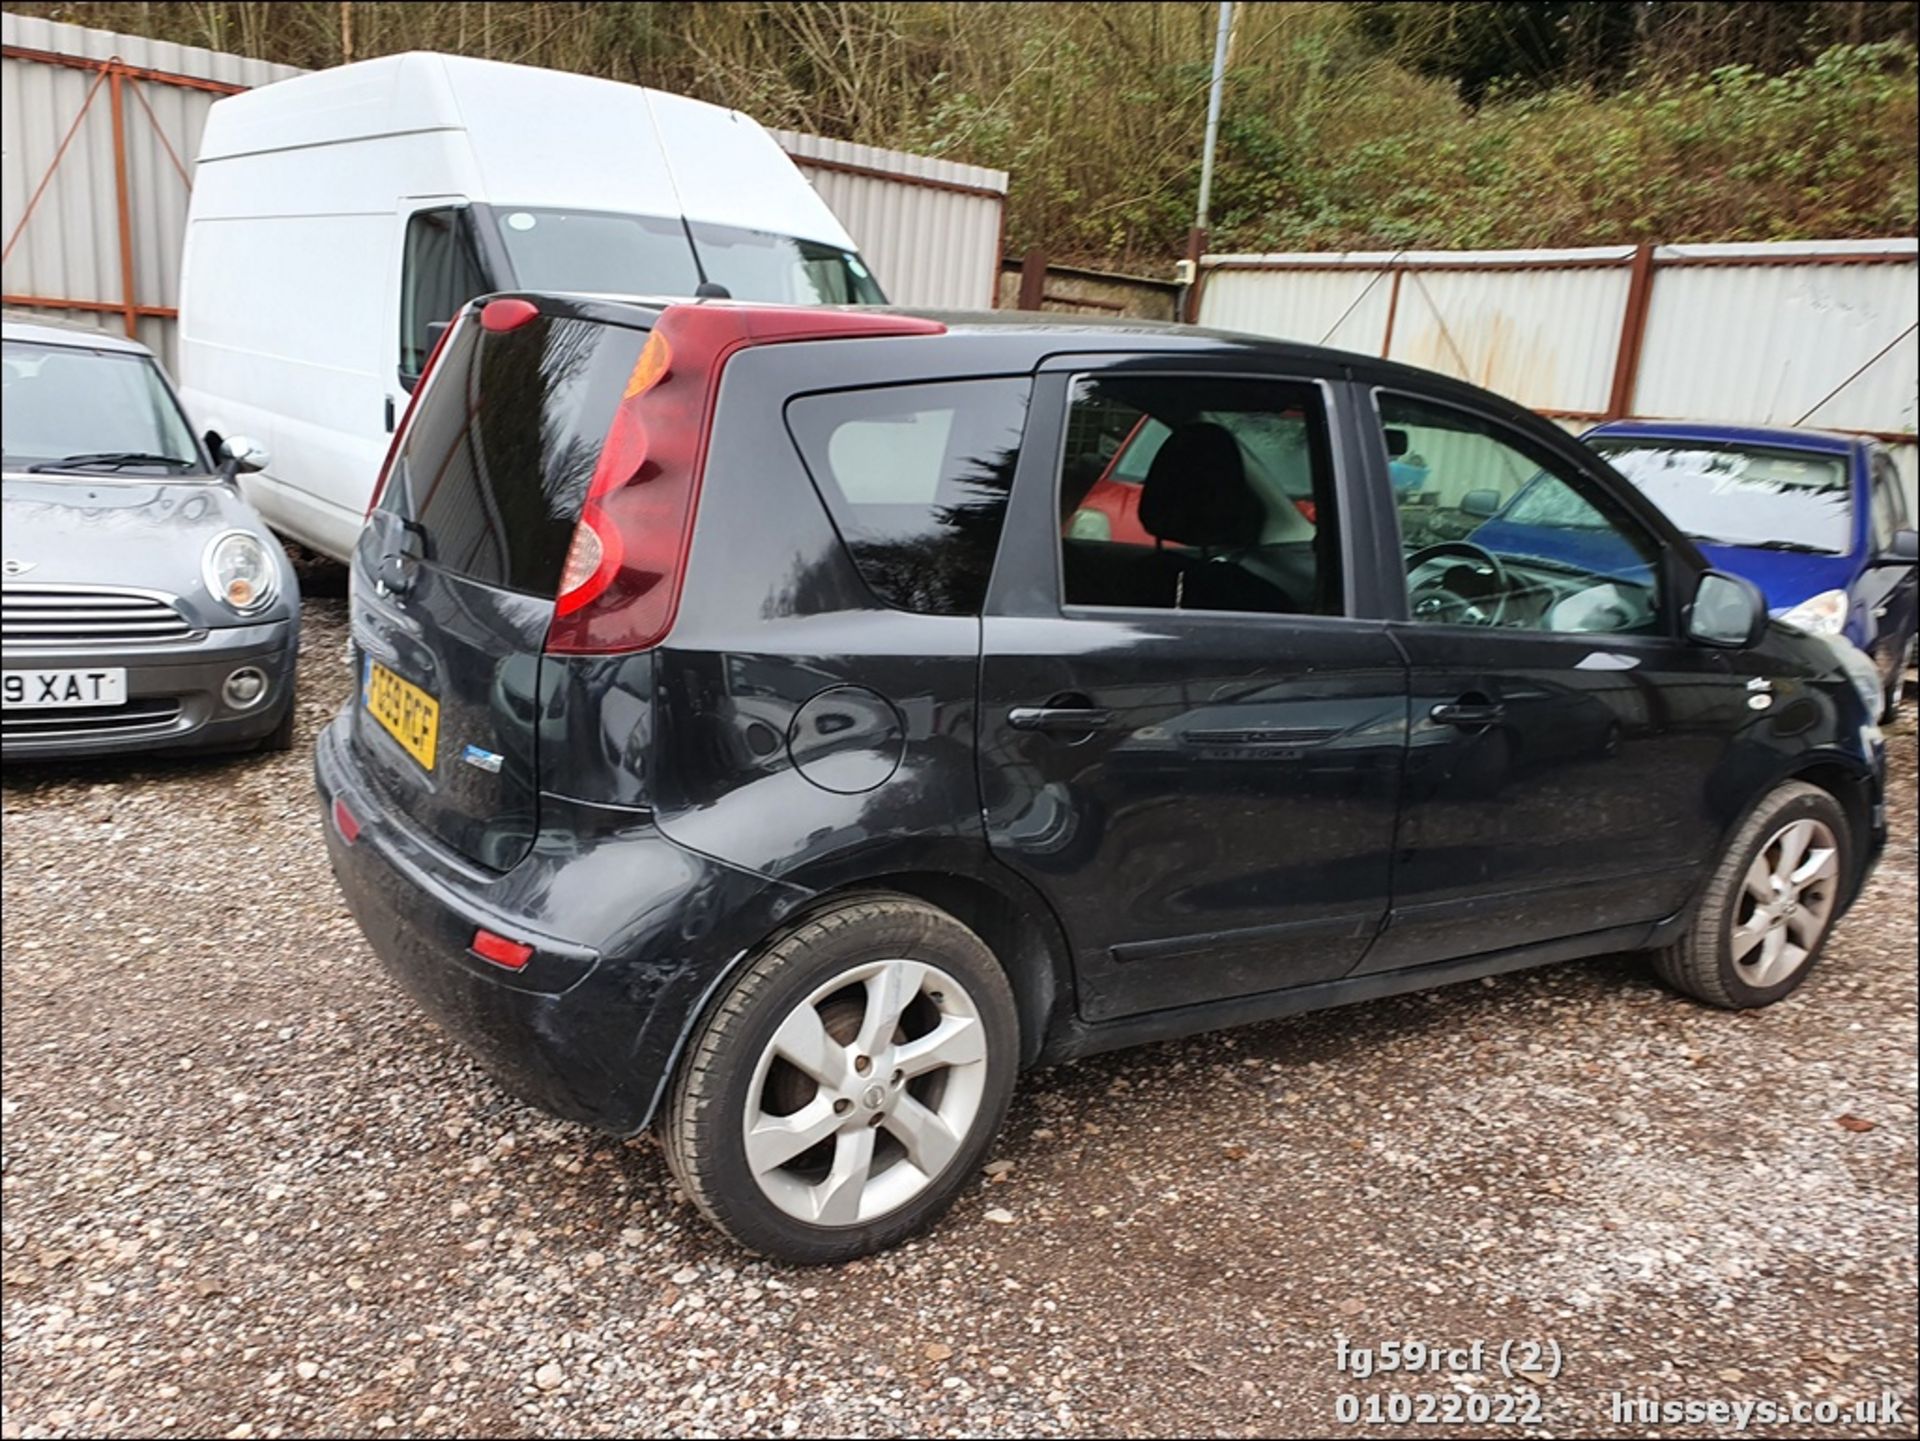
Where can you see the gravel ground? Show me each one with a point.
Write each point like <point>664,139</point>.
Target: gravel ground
<point>249,1191</point>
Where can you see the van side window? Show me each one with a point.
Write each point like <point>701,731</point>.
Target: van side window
<point>440,271</point>
<point>1199,493</point>
<point>916,478</point>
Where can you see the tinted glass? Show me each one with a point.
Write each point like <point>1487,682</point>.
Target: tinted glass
<point>441,272</point>
<point>1499,532</point>
<point>1199,493</point>
<point>758,265</point>
<point>593,252</point>
<point>496,460</point>
<point>1741,494</point>
<point>916,478</point>
<point>63,401</point>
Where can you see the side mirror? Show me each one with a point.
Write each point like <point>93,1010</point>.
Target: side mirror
<point>1905,549</point>
<point>1398,442</point>
<point>436,329</point>
<point>1727,611</point>
<point>1480,504</point>
<point>244,454</point>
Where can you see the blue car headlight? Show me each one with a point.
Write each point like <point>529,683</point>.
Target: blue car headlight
<point>1822,614</point>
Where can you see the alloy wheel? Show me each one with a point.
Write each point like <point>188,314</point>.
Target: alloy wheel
<point>1785,903</point>
<point>866,1091</point>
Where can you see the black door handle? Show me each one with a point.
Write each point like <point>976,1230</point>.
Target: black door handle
<point>1073,719</point>
<point>1468,715</point>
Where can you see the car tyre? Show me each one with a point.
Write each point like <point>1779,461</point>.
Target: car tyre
<point>848,1085</point>
<point>280,738</point>
<point>1897,686</point>
<point>1769,906</point>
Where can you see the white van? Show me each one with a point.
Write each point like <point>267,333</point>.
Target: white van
<point>339,218</point>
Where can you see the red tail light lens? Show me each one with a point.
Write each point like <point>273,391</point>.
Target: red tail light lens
<point>419,386</point>
<point>621,585</point>
<point>513,955</point>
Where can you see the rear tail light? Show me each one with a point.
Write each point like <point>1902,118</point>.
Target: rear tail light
<point>513,955</point>
<point>419,388</point>
<point>621,584</point>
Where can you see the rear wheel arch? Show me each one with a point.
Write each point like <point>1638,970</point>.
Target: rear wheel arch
<point>1022,932</point>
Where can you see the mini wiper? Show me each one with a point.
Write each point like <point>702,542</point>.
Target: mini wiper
<point>113,460</point>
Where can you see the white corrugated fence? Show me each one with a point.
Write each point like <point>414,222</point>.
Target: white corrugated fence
<point>1816,333</point>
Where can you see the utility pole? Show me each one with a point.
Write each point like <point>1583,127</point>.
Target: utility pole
<point>1197,237</point>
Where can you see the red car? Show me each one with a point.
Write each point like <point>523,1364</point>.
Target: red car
<point>1110,510</point>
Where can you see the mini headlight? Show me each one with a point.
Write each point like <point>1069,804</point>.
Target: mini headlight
<point>239,570</point>
<point>1822,614</point>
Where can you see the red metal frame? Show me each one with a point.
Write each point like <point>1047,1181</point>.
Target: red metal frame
<point>114,73</point>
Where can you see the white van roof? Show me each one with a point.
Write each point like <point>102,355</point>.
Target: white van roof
<point>542,138</point>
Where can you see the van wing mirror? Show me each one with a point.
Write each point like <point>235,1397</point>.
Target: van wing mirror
<point>1398,442</point>
<point>1480,503</point>
<point>1727,611</point>
<point>1904,549</point>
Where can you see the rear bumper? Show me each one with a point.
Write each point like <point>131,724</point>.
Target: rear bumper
<point>632,935</point>
<point>173,695</point>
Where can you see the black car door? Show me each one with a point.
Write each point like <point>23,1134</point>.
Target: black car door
<point>1186,741</point>
<point>1562,730</point>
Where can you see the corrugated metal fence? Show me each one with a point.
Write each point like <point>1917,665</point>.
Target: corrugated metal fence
<point>100,131</point>
<point>1819,333</point>
<point>932,229</point>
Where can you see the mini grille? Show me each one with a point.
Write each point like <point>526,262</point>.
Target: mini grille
<point>57,615</point>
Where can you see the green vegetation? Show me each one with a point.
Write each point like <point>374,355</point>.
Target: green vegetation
<point>1387,125</point>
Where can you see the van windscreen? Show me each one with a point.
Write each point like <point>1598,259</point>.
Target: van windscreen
<point>778,269</point>
<point>597,252</point>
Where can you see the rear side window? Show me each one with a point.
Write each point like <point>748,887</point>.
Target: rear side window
<point>495,464</point>
<point>916,478</point>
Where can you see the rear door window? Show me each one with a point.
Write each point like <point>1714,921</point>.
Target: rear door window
<point>916,478</point>
<point>495,464</point>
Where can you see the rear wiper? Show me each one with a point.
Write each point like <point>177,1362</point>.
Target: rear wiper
<point>113,460</point>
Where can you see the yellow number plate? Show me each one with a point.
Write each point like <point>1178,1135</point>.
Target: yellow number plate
<point>410,715</point>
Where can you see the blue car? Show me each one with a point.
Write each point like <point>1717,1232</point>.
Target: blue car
<point>1818,521</point>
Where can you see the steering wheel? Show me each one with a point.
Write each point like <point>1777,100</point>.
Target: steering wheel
<point>1470,593</point>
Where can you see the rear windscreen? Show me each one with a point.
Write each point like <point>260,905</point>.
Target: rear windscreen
<point>496,460</point>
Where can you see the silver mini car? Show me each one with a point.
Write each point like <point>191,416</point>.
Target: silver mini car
<point>144,605</point>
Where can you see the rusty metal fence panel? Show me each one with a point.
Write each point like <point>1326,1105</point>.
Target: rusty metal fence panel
<point>931,228</point>
<point>100,131</point>
<point>1819,333</point>
<point>99,134</point>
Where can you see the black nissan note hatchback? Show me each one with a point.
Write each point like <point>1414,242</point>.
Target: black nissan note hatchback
<point>762,730</point>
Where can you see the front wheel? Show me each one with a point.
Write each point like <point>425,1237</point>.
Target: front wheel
<point>847,1087</point>
<point>1769,905</point>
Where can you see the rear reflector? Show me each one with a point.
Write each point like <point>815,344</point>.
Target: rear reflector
<point>344,822</point>
<point>499,315</point>
<point>621,586</point>
<point>501,951</point>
